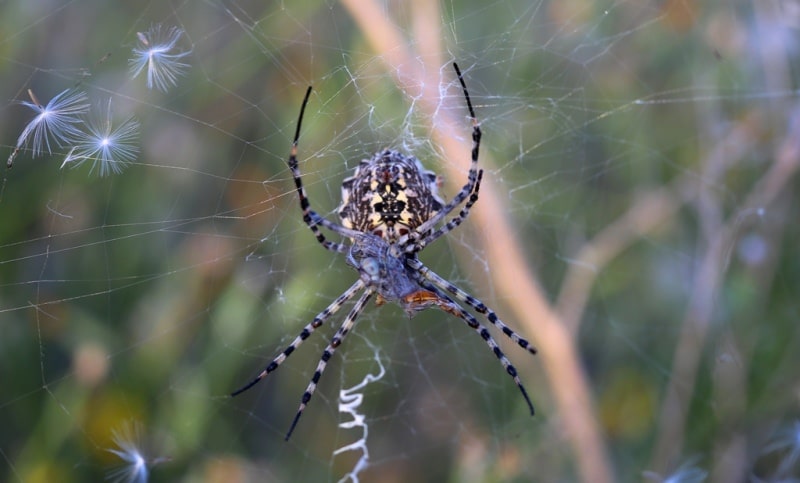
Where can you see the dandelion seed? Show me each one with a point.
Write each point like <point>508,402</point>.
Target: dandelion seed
<point>109,148</point>
<point>159,54</point>
<point>787,441</point>
<point>54,122</point>
<point>136,464</point>
<point>687,473</point>
<point>134,469</point>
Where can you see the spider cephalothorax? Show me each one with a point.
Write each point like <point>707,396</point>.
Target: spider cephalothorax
<point>390,211</point>
<point>389,195</point>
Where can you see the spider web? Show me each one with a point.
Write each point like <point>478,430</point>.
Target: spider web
<point>634,224</point>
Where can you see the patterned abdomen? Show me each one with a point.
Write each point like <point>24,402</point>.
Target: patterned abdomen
<point>389,195</point>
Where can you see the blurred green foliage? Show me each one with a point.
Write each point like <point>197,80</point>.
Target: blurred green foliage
<point>150,295</point>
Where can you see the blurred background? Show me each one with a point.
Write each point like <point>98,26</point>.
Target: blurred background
<point>637,223</point>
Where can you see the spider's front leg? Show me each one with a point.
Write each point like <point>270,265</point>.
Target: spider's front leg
<point>310,217</point>
<point>472,177</point>
<point>418,241</point>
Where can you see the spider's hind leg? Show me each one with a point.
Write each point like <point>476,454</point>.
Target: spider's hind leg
<point>462,296</point>
<point>303,335</point>
<point>337,339</point>
<point>448,305</point>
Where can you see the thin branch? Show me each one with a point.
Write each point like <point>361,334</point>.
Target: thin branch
<point>649,212</point>
<point>714,262</point>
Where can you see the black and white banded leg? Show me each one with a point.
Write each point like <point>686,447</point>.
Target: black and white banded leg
<point>472,176</point>
<point>451,224</point>
<point>337,339</point>
<point>311,218</point>
<point>450,306</point>
<point>304,334</point>
<point>476,304</point>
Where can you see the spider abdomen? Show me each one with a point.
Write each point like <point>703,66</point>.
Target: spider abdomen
<point>389,195</point>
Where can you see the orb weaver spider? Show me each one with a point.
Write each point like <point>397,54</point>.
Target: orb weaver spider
<point>390,209</point>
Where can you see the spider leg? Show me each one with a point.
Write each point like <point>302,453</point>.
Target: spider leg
<point>450,225</point>
<point>337,339</point>
<point>448,305</point>
<point>311,218</point>
<point>316,219</point>
<point>468,299</point>
<point>304,334</point>
<point>472,177</point>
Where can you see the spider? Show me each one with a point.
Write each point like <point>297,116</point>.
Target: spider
<point>390,209</point>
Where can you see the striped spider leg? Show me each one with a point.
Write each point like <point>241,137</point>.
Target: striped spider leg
<point>310,217</point>
<point>468,299</point>
<point>347,326</point>
<point>304,334</point>
<point>448,305</point>
<point>472,177</point>
<point>451,224</point>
